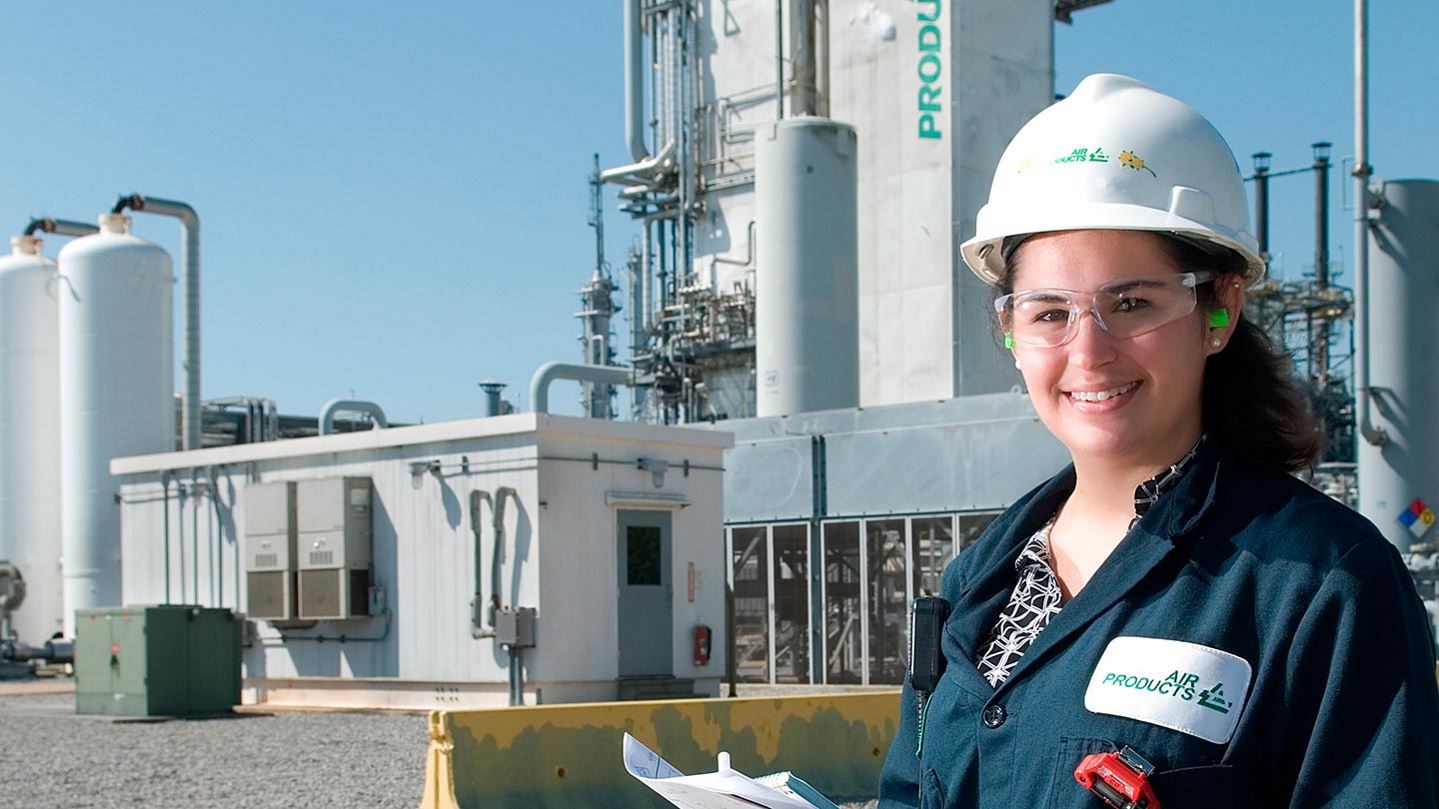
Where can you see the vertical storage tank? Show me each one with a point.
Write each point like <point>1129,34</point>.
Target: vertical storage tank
<point>807,267</point>
<point>30,434</point>
<point>1403,331</point>
<point>116,394</point>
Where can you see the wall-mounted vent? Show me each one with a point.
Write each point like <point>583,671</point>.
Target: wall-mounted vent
<point>334,517</point>
<point>270,554</point>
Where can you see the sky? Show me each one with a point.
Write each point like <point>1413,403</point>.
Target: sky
<point>393,196</point>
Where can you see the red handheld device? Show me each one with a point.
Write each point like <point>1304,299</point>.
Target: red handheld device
<point>1120,779</point>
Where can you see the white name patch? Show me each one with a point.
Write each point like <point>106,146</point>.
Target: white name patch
<point>1181,686</point>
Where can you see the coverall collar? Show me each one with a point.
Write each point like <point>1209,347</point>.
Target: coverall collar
<point>1172,517</point>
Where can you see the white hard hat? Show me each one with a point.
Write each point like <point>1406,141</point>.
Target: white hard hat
<point>1115,155</point>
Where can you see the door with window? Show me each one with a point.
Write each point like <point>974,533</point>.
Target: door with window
<point>646,613</point>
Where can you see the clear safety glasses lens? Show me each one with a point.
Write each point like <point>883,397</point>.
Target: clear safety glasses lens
<point>1050,317</point>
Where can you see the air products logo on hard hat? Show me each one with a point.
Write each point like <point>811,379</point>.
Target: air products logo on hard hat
<point>1084,154</point>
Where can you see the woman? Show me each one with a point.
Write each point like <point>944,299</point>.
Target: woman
<point>1176,593</point>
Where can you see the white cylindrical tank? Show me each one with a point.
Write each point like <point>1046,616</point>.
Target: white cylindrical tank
<point>806,267</point>
<point>116,394</point>
<point>1403,331</point>
<point>30,435</point>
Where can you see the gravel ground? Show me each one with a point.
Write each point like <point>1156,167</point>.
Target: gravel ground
<point>52,757</point>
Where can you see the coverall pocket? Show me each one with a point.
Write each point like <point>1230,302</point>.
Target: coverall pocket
<point>1064,791</point>
<point>1203,787</point>
<point>931,791</point>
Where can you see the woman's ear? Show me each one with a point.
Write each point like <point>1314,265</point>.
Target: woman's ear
<point>1223,318</point>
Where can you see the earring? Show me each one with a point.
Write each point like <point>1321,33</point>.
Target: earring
<point>1016,363</point>
<point>1216,342</point>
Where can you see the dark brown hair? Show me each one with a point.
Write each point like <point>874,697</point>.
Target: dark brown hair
<point>1253,403</point>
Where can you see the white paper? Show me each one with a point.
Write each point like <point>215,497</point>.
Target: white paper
<point>725,789</point>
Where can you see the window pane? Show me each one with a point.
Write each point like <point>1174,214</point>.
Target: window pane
<point>643,555</point>
<point>932,543</point>
<point>884,540</point>
<point>841,603</point>
<point>751,605</point>
<point>791,603</point>
<point>971,526</point>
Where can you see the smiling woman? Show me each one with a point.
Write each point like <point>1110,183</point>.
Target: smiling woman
<point>1175,609</point>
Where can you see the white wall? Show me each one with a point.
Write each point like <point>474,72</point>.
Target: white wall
<point>585,622</point>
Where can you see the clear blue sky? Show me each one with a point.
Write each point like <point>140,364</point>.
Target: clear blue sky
<point>393,195</point>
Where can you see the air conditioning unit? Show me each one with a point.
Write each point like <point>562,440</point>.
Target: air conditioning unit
<point>270,560</point>
<point>335,520</point>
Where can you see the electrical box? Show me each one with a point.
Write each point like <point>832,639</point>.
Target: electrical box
<point>515,627</point>
<point>170,660</point>
<point>335,522</point>
<point>271,562</point>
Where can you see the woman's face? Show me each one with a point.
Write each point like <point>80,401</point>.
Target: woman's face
<point>1151,383</point>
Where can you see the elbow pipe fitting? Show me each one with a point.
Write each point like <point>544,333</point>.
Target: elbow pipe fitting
<point>134,202</point>
<point>334,406</point>
<point>550,371</point>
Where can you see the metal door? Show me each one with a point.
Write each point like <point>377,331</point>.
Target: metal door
<point>646,615</point>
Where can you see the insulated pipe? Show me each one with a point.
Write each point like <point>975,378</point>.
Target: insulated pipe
<point>477,606</point>
<point>802,57</point>
<point>1374,435</point>
<point>497,556</point>
<point>634,82</point>
<point>482,608</point>
<point>779,59</point>
<point>638,173</point>
<point>60,227</point>
<point>550,371</point>
<point>327,413</point>
<point>190,430</point>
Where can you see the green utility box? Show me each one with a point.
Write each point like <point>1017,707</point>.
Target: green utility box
<point>170,660</point>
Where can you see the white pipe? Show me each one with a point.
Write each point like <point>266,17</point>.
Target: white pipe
<point>634,82</point>
<point>190,294</point>
<point>327,413</point>
<point>779,59</point>
<point>1362,171</point>
<point>639,173</point>
<point>551,371</point>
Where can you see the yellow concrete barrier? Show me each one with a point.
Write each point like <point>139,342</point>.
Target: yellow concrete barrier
<point>569,755</point>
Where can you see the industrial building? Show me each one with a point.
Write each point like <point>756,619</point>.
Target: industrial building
<point>821,417</point>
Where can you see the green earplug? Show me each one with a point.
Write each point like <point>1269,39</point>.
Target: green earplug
<point>1009,339</point>
<point>1219,318</point>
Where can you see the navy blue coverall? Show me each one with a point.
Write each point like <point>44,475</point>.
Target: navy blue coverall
<point>1342,708</point>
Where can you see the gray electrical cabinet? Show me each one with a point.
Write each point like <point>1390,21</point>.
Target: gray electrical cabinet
<point>271,562</point>
<point>335,531</point>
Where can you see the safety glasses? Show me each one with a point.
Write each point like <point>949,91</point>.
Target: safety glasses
<point>1046,318</point>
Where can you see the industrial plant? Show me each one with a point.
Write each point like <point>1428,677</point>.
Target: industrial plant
<point>819,417</point>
